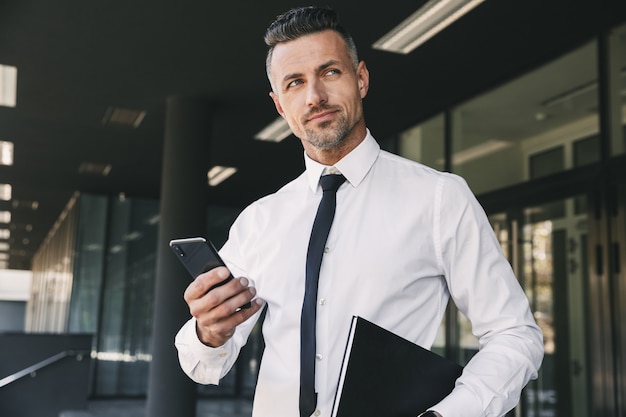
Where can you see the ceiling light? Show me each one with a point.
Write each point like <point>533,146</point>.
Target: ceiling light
<point>4,246</point>
<point>153,219</point>
<point>135,235</point>
<point>6,152</point>
<point>4,256</point>
<point>567,96</point>
<point>5,216</point>
<point>218,174</point>
<point>5,234</point>
<point>4,265</point>
<point>116,249</point>
<point>8,86</point>
<point>21,226</point>
<point>275,131</point>
<point>94,168</point>
<point>5,192</point>
<point>25,204</point>
<point>123,117</point>
<point>426,22</point>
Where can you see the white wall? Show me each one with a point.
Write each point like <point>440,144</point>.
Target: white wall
<point>15,285</point>
<point>14,294</point>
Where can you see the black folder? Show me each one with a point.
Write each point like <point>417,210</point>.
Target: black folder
<point>384,374</point>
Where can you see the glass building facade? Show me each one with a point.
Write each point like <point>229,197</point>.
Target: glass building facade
<point>544,152</point>
<point>537,151</point>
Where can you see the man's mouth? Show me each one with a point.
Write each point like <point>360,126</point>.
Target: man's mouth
<point>321,116</point>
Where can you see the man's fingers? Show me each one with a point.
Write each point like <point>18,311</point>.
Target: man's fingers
<point>241,296</point>
<point>216,333</point>
<point>203,282</point>
<point>230,317</point>
<point>217,309</point>
<point>224,295</point>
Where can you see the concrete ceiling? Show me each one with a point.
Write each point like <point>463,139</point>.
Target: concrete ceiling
<point>77,58</point>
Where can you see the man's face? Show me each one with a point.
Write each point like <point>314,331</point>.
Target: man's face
<point>318,91</point>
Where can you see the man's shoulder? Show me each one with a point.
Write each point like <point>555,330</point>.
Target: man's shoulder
<point>266,208</point>
<point>408,171</point>
<point>395,161</point>
<point>286,192</point>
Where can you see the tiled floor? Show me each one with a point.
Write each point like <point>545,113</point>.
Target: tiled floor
<point>136,408</point>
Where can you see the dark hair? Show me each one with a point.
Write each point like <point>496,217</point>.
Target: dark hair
<point>302,21</point>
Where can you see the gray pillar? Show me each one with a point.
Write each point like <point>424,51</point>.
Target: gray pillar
<point>183,214</point>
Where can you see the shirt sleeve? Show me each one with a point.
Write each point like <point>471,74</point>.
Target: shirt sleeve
<point>202,363</point>
<point>484,288</point>
<point>207,365</point>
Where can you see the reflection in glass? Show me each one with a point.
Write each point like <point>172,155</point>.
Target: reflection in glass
<point>496,135</point>
<point>618,68</point>
<point>53,275</point>
<point>89,264</point>
<point>546,245</point>
<point>124,350</point>
<point>547,162</point>
<point>587,151</point>
<point>424,143</point>
<point>538,268</point>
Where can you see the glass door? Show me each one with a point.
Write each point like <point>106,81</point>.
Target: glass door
<point>552,251</point>
<point>607,298</point>
<point>547,246</point>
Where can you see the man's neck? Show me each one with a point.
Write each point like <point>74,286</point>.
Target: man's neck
<point>330,157</point>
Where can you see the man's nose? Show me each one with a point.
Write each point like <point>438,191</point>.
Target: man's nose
<point>316,93</point>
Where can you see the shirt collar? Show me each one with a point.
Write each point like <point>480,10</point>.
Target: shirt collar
<point>353,166</point>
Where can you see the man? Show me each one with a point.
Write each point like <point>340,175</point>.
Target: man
<point>404,239</point>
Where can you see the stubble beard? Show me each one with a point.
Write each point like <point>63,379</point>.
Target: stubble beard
<point>330,134</point>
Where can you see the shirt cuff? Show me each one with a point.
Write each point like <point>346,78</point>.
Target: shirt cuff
<point>202,363</point>
<point>460,402</point>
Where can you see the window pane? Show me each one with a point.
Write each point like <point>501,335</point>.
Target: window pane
<point>496,135</point>
<point>547,162</point>
<point>124,343</point>
<point>424,143</point>
<point>618,57</point>
<point>587,151</point>
<point>89,264</point>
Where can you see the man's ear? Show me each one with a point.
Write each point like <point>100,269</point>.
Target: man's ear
<point>279,108</point>
<point>363,77</point>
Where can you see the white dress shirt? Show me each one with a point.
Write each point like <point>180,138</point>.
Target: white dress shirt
<point>404,239</point>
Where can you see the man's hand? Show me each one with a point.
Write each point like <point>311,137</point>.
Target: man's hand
<point>218,311</point>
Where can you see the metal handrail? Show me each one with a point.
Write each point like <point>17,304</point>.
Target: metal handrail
<point>31,370</point>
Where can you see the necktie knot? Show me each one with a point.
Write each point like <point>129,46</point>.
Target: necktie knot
<point>331,182</point>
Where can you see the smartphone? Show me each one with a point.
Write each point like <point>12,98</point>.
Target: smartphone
<point>199,256</point>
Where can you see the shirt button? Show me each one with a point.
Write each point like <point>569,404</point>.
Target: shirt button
<point>319,357</point>
<point>326,249</point>
<point>323,302</point>
<point>317,413</point>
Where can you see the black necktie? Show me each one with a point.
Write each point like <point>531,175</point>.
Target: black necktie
<point>319,234</point>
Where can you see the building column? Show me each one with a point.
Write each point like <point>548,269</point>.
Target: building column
<point>182,214</point>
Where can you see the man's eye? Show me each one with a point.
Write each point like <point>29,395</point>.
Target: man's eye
<point>294,83</point>
<point>333,72</point>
